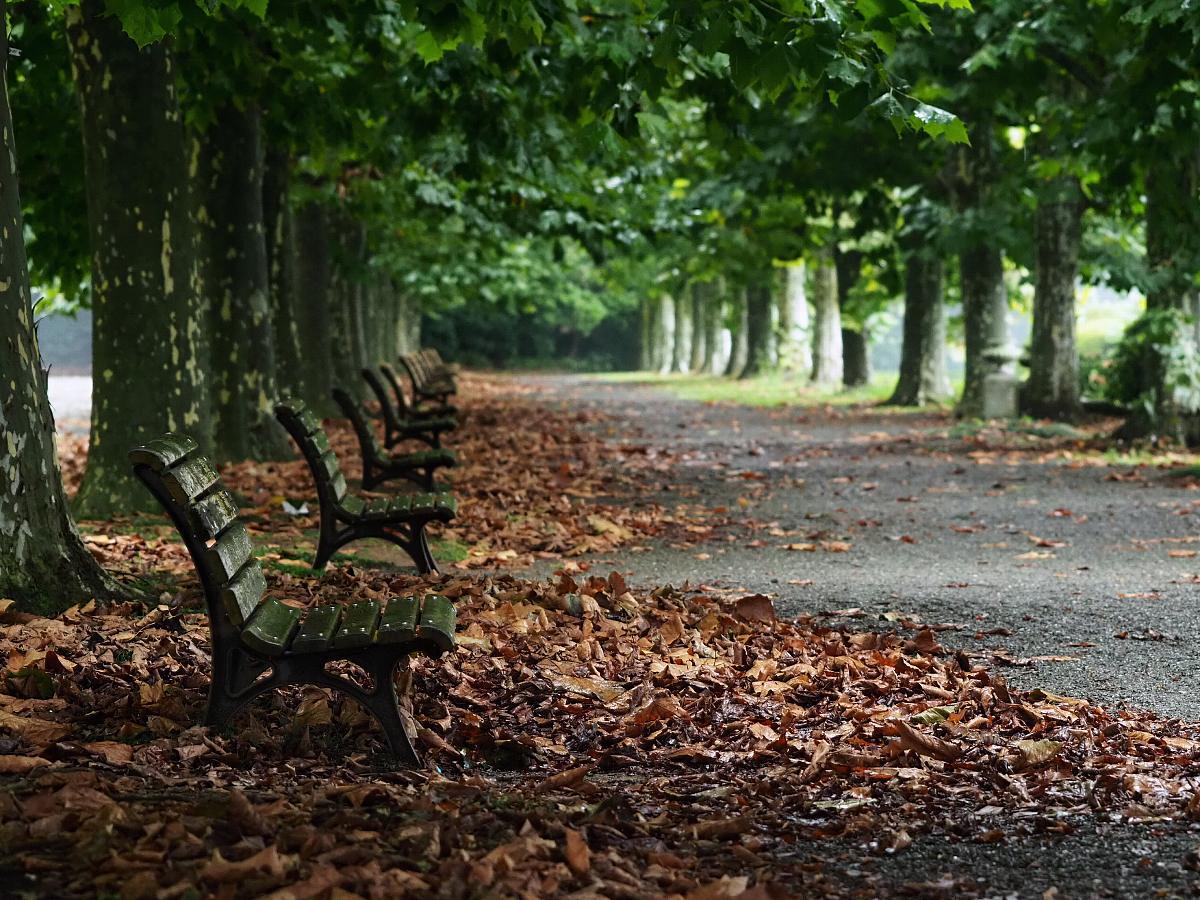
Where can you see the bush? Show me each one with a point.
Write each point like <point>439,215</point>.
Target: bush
<point>1155,371</point>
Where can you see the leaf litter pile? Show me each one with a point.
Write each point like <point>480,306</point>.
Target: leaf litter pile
<point>587,738</point>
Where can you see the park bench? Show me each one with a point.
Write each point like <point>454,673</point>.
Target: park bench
<point>426,386</point>
<point>252,632</point>
<point>344,517</point>
<point>397,428</point>
<point>379,465</point>
<point>414,411</point>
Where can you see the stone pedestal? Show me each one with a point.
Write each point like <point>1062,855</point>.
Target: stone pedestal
<point>1000,396</point>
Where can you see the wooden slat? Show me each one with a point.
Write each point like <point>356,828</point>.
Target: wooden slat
<point>329,462</point>
<point>358,624</point>
<point>228,553</point>
<point>352,505</point>
<point>437,621</point>
<point>321,441</point>
<point>189,480</point>
<point>399,621</point>
<point>164,451</point>
<point>271,627</point>
<point>338,488</point>
<point>242,595</point>
<point>308,419</point>
<point>214,513</point>
<point>316,631</point>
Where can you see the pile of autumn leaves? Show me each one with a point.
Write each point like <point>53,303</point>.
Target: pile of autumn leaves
<point>586,737</point>
<point>659,743</point>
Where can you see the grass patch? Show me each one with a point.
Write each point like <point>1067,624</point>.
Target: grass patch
<point>449,551</point>
<point>771,389</point>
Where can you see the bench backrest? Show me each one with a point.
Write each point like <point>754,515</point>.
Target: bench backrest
<point>368,440</point>
<point>416,372</point>
<point>308,433</point>
<point>402,404</point>
<point>386,408</point>
<point>206,515</point>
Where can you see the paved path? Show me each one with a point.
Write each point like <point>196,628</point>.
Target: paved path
<point>1046,558</point>
<point>71,401</point>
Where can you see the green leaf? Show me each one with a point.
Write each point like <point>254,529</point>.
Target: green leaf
<point>939,123</point>
<point>145,24</point>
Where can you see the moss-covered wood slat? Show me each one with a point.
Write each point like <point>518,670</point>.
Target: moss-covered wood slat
<point>399,621</point>
<point>437,621</point>
<point>163,452</point>
<point>316,632</point>
<point>262,642</point>
<point>244,592</point>
<point>270,629</point>
<point>358,624</point>
<point>190,479</point>
<point>228,553</point>
<point>215,513</point>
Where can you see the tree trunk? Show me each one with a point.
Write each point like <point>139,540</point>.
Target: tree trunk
<point>346,294</point>
<point>281,272</point>
<point>856,358</point>
<point>148,333</point>
<point>795,341</point>
<point>923,377</point>
<point>1053,388</point>
<point>739,328</point>
<point>682,351</point>
<point>647,335</point>
<point>667,348</point>
<point>313,301</point>
<point>235,260</point>
<point>1172,228</point>
<point>827,321</point>
<point>714,362</point>
<point>985,320</point>
<point>972,173</point>
<point>699,298</point>
<point>855,361</point>
<point>758,331</point>
<point>44,566</point>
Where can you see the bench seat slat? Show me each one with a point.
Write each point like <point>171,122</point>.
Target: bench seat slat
<point>423,458</point>
<point>270,629</point>
<point>242,595</point>
<point>358,624</point>
<point>399,621</point>
<point>437,622</point>
<point>316,632</point>
<point>228,553</point>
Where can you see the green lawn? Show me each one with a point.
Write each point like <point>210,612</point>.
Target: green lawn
<point>773,389</point>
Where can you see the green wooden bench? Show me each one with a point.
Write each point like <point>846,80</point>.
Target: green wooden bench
<point>414,411</point>
<point>254,634</point>
<point>379,465</point>
<point>397,428</point>
<point>426,386</point>
<point>345,517</point>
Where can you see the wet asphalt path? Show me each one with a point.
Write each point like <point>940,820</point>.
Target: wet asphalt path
<point>1078,564</point>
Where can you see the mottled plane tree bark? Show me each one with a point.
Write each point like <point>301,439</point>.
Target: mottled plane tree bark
<point>923,377</point>
<point>279,222</point>
<point>827,320</point>
<point>148,335</point>
<point>231,166</point>
<point>44,566</point>
<point>758,331</point>
<point>314,276</point>
<point>1053,387</point>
